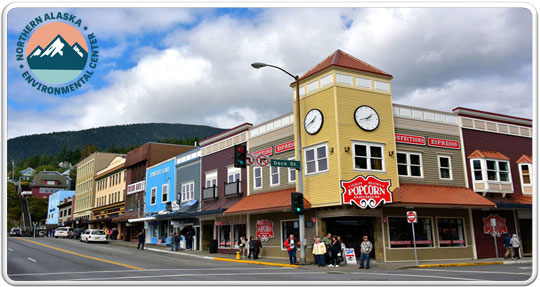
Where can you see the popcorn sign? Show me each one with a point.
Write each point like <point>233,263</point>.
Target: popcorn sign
<point>265,229</point>
<point>500,225</point>
<point>364,192</point>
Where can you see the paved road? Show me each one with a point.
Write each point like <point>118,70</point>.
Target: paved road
<point>46,259</point>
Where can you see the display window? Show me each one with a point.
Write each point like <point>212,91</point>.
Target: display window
<point>451,232</point>
<point>238,231</point>
<point>400,231</point>
<point>289,227</point>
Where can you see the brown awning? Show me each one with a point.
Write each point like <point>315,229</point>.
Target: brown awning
<point>421,194</point>
<point>266,201</point>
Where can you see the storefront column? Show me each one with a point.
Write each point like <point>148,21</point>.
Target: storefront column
<point>475,257</point>
<point>379,243</point>
<point>518,232</point>
<point>383,237</point>
<point>248,229</point>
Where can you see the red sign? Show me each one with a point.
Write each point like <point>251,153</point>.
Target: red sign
<point>365,192</point>
<point>408,139</point>
<point>265,229</point>
<point>266,151</point>
<point>443,143</point>
<point>249,159</point>
<point>411,216</point>
<point>284,147</point>
<point>222,223</point>
<point>500,225</point>
<point>263,160</point>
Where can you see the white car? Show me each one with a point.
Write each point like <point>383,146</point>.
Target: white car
<point>62,232</point>
<point>94,235</point>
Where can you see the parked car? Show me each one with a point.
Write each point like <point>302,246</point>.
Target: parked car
<point>94,235</point>
<point>42,233</point>
<point>62,232</point>
<point>76,233</point>
<point>15,231</point>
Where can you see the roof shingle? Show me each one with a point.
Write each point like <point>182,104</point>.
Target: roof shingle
<point>525,159</point>
<point>487,154</point>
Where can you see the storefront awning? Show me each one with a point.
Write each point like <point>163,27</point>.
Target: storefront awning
<point>126,216</point>
<point>520,201</point>
<point>437,195</point>
<point>266,201</point>
<point>148,218</point>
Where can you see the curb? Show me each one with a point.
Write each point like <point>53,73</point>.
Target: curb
<point>460,264</point>
<point>254,262</point>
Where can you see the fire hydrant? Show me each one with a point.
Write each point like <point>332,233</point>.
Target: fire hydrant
<point>238,255</point>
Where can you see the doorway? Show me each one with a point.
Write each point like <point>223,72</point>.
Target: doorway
<point>207,235</point>
<point>352,230</point>
<point>525,228</point>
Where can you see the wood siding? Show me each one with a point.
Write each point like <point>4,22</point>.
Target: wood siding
<point>485,246</point>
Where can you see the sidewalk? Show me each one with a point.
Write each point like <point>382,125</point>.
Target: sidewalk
<point>284,262</point>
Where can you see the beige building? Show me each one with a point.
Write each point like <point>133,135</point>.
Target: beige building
<point>84,188</point>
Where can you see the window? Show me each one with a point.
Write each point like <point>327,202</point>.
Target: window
<point>451,232</point>
<point>274,175</point>
<point>257,174</point>
<point>233,174</point>
<point>188,191</point>
<point>491,170</point>
<point>316,159</point>
<point>400,231</point>
<point>211,179</point>
<point>477,169</point>
<point>368,156</point>
<point>525,172</point>
<point>155,228</point>
<point>69,211</point>
<point>239,230</point>
<point>165,193</point>
<point>292,172</point>
<point>224,236</point>
<point>153,196</point>
<point>445,167</point>
<point>409,164</point>
<point>163,228</point>
<point>289,227</point>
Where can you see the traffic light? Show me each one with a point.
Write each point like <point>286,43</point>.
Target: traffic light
<point>240,152</point>
<point>297,203</point>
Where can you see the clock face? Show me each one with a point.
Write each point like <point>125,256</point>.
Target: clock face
<point>366,118</point>
<point>313,121</point>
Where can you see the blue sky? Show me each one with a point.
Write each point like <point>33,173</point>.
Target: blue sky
<point>193,65</point>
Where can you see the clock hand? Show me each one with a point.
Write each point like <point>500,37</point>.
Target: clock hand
<point>311,122</point>
<point>366,117</point>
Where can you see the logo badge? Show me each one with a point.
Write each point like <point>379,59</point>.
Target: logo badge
<point>366,191</point>
<point>265,229</point>
<point>56,53</point>
<point>500,225</point>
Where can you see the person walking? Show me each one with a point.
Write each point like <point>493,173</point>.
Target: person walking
<point>319,249</point>
<point>335,250</point>
<point>508,246</point>
<point>258,247</point>
<point>515,245</point>
<point>141,236</point>
<point>115,234</point>
<point>343,247</point>
<point>251,246</point>
<point>365,249</point>
<point>291,245</point>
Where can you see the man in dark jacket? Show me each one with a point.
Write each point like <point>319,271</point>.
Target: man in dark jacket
<point>258,246</point>
<point>335,249</point>
<point>141,236</point>
<point>508,246</point>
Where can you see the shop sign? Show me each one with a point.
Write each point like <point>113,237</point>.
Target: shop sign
<point>350,256</point>
<point>265,229</point>
<point>136,187</point>
<point>266,151</point>
<point>410,139</point>
<point>435,142</point>
<point>364,192</point>
<point>222,223</point>
<point>284,147</point>
<point>500,225</point>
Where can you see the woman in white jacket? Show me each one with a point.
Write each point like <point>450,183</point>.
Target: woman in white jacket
<point>515,244</point>
<point>319,249</point>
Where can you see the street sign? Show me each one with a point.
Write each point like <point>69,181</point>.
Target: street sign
<point>249,159</point>
<point>285,163</point>
<point>411,217</point>
<point>263,160</point>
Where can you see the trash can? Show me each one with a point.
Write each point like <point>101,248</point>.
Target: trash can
<point>213,246</point>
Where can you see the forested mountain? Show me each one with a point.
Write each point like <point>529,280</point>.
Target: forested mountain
<point>104,138</point>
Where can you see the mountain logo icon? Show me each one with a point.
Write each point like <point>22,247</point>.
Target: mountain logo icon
<point>57,53</point>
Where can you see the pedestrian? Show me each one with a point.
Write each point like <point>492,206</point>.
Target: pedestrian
<point>115,234</point>
<point>111,234</point>
<point>327,242</point>
<point>335,251</point>
<point>515,244</point>
<point>291,245</point>
<point>319,249</point>
<point>258,247</point>
<point>106,230</point>
<point>173,241</point>
<point>141,238</point>
<point>189,238</point>
<point>508,246</point>
<point>245,243</point>
<point>241,246</point>
<point>365,249</point>
<point>251,245</point>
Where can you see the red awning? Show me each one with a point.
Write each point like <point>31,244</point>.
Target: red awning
<point>421,194</point>
<point>265,201</point>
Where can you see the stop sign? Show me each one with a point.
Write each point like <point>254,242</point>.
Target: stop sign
<point>411,216</point>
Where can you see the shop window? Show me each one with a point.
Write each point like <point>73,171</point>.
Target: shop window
<point>289,227</point>
<point>445,167</point>
<point>292,172</point>
<point>451,232</point>
<point>165,193</point>
<point>188,191</point>
<point>257,174</point>
<point>525,174</point>
<point>238,231</point>
<point>224,236</point>
<point>155,229</point>
<point>368,156</point>
<point>316,159</point>
<point>409,164</point>
<point>274,175</point>
<point>163,229</point>
<point>153,196</point>
<point>401,232</point>
<point>233,174</point>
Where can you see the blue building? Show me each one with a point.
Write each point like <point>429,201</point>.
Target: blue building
<point>54,200</point>
<point>158,196</point>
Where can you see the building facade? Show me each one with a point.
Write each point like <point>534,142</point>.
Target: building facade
<point>46,183</point>
<point>65,212</point>
<point>53,213</point>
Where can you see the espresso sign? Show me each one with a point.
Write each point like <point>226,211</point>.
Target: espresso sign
<point>409,139</point>
<point>364,192</point>
<point>284,147</point>
<point>435,142</point>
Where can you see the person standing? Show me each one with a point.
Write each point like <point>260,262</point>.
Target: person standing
<point>508,246</point>
<point>515,244</point>
<point>173,241</point>
<point>141,236</point>
<point>177,241</point>
<point>335,249</point>
<point>291,243</point>
<point>189,238</point>
<point>258,247</point>
<point>365,249</point>
<point>319,249</point>
<point>328,243</point>
<point>241,246</point>
<point>251,246</point>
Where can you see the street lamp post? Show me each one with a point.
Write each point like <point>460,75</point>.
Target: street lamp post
<point>298,155</point>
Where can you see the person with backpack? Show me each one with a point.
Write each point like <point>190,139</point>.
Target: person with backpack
<point>258,247</point>
<point>141,237</point>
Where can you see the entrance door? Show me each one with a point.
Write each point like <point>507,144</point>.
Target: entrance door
<point>352,230</point>
<point>525,228</point>
<point>207,235</point>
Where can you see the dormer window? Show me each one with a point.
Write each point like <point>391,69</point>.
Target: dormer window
<point>525,173</point>
<point>490,172</point>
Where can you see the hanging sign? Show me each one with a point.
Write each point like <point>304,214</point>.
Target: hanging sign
<point>500,225</point>
<point>265,229</point>
<point>366,191</point>
<point>350,256</point>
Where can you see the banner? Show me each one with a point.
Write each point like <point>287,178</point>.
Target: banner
<point>265,229</point>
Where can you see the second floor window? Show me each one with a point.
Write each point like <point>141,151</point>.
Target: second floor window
<point>188,191</point>
<point>153,196</point>
<point>292,172</point>
<point>368,156</point>
<point>233,174</point>
<point>274,175</point>
<point>257,175</point>
<point>445,167</point>
<point>491,170</point>
<point>211,179</point>
<point>409,164</point>
<point>316,158</point>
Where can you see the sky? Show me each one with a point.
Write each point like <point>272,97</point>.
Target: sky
<point>192,65</point>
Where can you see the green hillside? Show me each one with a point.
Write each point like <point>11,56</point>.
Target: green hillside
<point>22,147</point>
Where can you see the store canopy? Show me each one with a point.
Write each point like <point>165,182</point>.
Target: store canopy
<point>177,215</point>
<point>421,194</point>
<point>126,216</point>
<point>148,218</point>
<point>266,201</point>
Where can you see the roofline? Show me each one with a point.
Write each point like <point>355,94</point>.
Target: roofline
<point>241,127</point>
<point>188,152</point>
<point>424,109</point>
<point>116,167</point>
<point>492,116</point>
<point>271,120</point>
